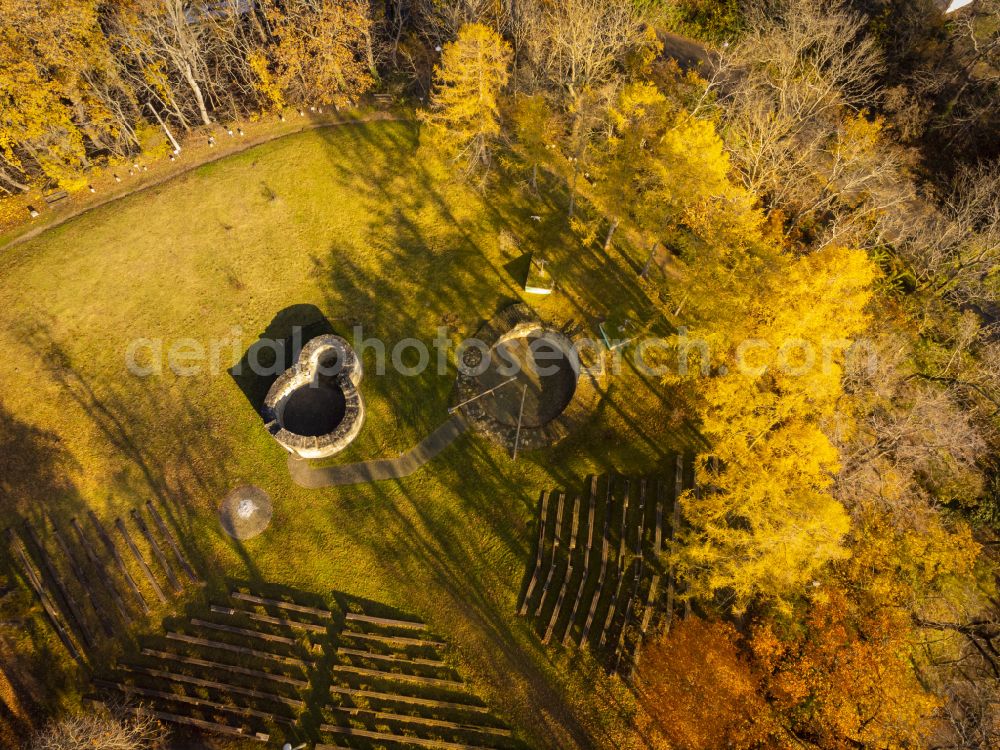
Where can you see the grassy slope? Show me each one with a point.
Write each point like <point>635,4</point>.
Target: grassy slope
<point>358,229</point>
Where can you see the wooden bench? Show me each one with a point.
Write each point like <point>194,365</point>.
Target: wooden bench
<point>171,542</point>
<point>584,576</point>
<point>420,720</point>
<point>195,641</point>
<point>119,563</point>
<point>35,581</point>
<point>194,661</point>
<point>540,555</point>
<point>619,570</point>
<point>555,552</point>
<point>403,739</point>
<point>605,544</point>
<point>102,574</point>
<point>120,525</point>
<point>194,701</point>
<point>408,699</point>
<point>435,663</point>
<point>56,197</point>
<point>554,617</point>
<point>285,641</point>
<point>398,676</point>
<point>280,604</point>
<point>220,686</point>
<point>82,577</point>
<point>394,640</point>
<point>63,593</point>
<point>310,626</point>
<point>157,552</point>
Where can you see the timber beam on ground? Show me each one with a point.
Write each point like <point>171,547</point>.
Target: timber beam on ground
<point>619,570</point>
<point>585,575</point>
<point>393,640</point>
<point>421,721</point>
<point>385,621</point>
<point>395,658</point>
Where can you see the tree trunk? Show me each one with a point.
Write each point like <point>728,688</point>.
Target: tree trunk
<point>199,97</point>
<point>649,261</point>
<point>20,186</point>
<point>611,233</point>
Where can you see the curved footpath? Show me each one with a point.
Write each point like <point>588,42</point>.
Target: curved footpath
<point>385,468</point>
<point>170,174</point>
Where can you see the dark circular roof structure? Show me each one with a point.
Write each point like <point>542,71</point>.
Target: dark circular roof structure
<point>518,369</point>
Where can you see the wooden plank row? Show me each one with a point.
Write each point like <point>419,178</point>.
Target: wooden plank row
<point>555,553</point>
<point>279,621</point>
<point>420,720</point>
<point>619,570</point>
<point>120,525</point>
<point>210,726</point>
<point>674,521</point>
<point>554,617</point>
<point>82,576</point>
<point>62,592</point>
<point>194,701</point>
<point>398,738</point>
<point>220,686</point>
<point>171,542</point>
<point>394,640</point>
<point>102,574</point>
<point>407,699</point>
<point>435,663</point>
<point>602,576</point>
<point>157,552</point>
<point>284,640</point>
<point>35,581</point>
<point>290,606</point>
<point>385,621</point>
<point>195,641</point>
<point>398,676</point>
<point>117,558</point>
<point>194,661</point>
<point>585,575</point>
<point>539,556</point>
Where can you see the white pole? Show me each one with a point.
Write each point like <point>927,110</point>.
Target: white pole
<point>517,436</point>
<point>177,147</point>
<point>455,408</point>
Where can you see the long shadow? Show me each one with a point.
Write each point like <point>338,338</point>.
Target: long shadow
<point>276,349</point>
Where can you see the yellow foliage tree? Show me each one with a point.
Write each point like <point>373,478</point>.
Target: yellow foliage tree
<point>463,119</point>
<point>321,53</point>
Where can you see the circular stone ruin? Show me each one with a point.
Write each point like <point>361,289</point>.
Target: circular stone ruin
<point>245,512</point>
<point>529,372</point>
<point>314,408</point>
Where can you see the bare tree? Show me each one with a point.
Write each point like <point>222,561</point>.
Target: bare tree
<point>116,729</point>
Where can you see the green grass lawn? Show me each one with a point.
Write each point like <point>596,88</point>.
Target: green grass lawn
<point>349,220</point>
